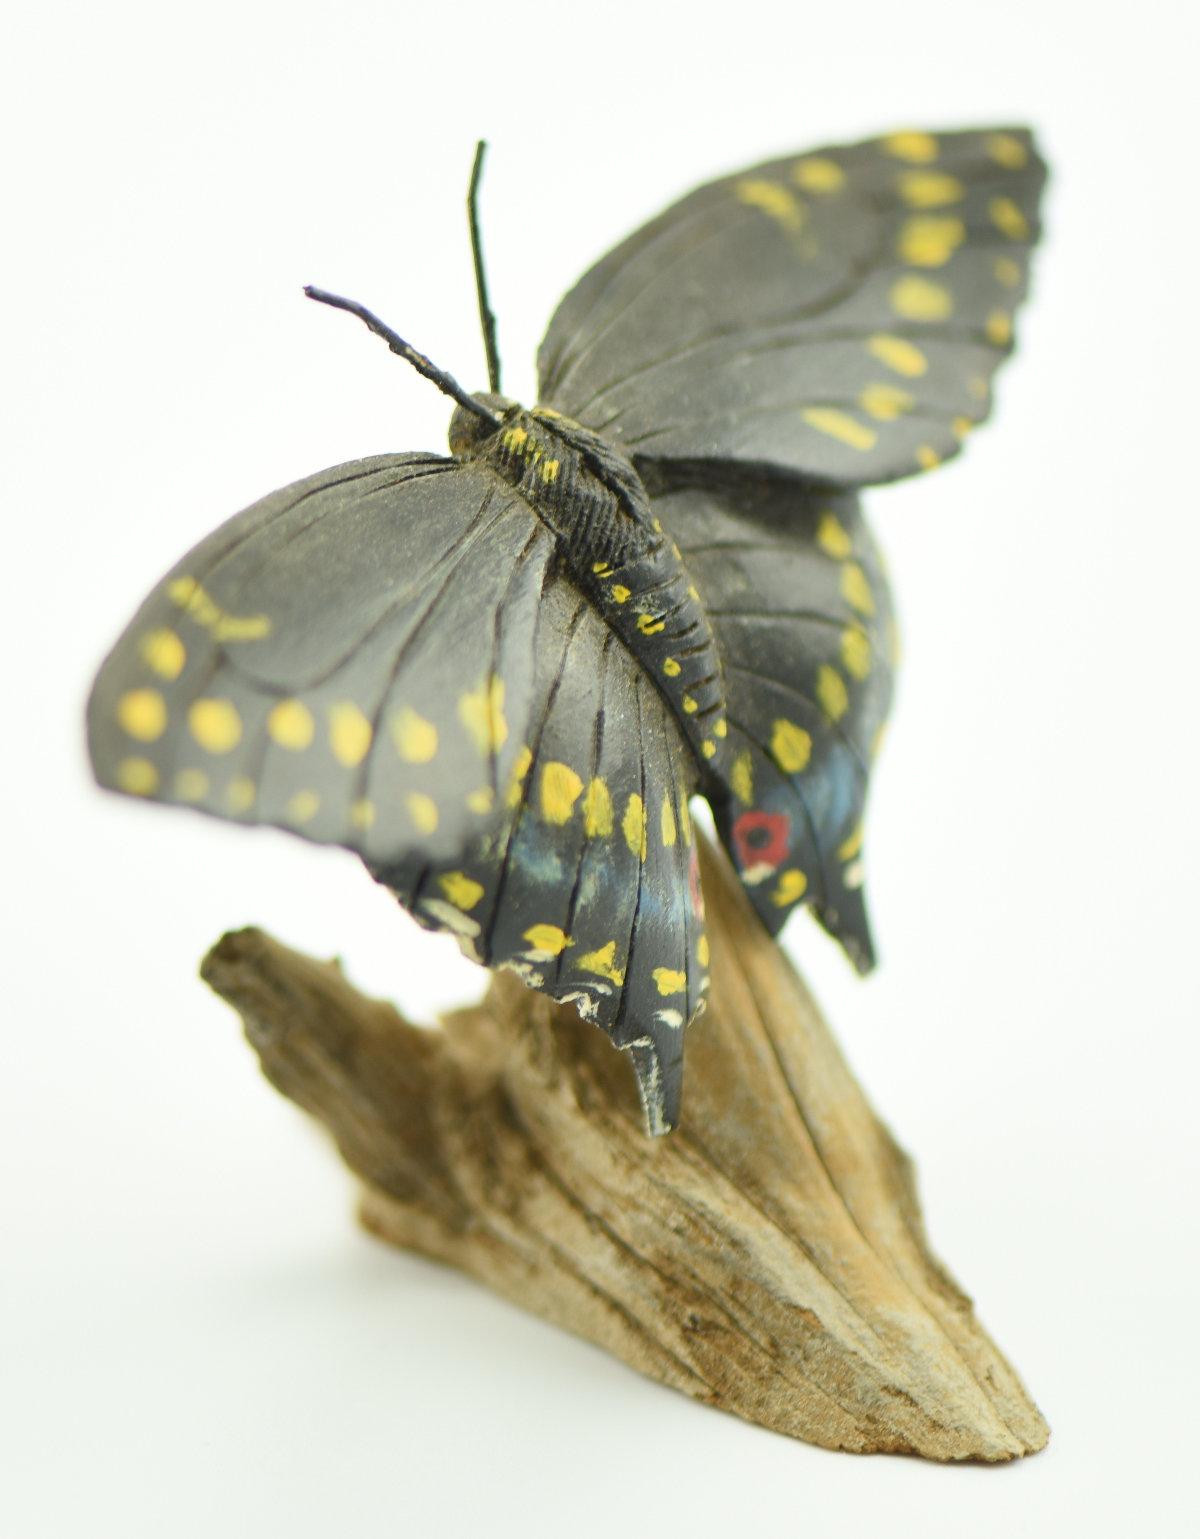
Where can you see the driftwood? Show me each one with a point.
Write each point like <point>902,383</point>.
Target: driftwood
<point>768,1257</point>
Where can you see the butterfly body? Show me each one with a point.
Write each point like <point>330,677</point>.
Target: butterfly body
<point>500,677</point>
<point>591,498</point>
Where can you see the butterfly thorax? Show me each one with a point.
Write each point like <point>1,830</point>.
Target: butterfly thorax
<point>592,499</point>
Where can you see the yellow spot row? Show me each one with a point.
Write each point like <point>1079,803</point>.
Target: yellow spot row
<point>187,594</point>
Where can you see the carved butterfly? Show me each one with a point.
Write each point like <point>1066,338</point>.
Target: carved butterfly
<point>500,676</point>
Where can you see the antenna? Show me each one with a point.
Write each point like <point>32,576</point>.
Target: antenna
<point>487,319</point>
<point>446,383</point>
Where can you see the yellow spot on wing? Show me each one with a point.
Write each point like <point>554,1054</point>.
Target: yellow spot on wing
<point>927,457</point>
<point>549,471</point>
<point>789,888</point>
<point>708,748</point>
<point>1007,151</point>
<point>919,148</point>
<point>1008,218</point>
<point>481,712</point>
<point>777,202</point>
<point>791,746</point>
<point>856,590</point>
<point>741,778</point>
<point>199,606</point>
<point>547,939</point>
<point>702,953</point>
<point>163,653</point>
<point>917,299</point>
<point>900,354</point>
<point>856,651</point>
<point>1007,271</point>
<point>362,813</point>
<point>416,739</point>
<point>998,328</point>
<point>559,792</point>
<point>818,174</point>
<point>143,714</point>
<point>669,832</point>
<point>885,402</point>
<point>690,705</point>
<point>215,724</point>
<point>137,776</point>
<point>302,807</point>
<point>481,801</point>
<point>349,733</point>
<point>851,846</point>
<point>597,810</point>
<point>241,793</point>
<point>633,826</point>
<point>516,783</point>
<point>930,240</point>
<point>422,810</point>
<point>667,981</point>
<point>290,724</point>
<point>600,963</point>
<point>929,189</point>
<point>191,785</point>
<point>840,425</point>
<point>461,890</point>
<point>833,538</point>
<point>671,667</point>
<point>832,693</point>
<point>650,625</point>
<point>620,593</point>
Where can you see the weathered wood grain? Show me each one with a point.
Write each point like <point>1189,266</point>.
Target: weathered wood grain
<point>768,1257</point>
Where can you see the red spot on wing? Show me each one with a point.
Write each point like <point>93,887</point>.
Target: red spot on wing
<point>761,838</point>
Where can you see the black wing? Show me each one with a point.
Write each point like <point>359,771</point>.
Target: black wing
<point>836,315</point>
<point>798,599</point>
<point>350,658</point>
<point>588,888</point>
<point>386,657</point>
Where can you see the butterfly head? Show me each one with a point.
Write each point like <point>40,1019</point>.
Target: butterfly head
<point>469,431</point>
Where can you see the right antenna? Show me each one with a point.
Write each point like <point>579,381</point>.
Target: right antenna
<point>487,319</point>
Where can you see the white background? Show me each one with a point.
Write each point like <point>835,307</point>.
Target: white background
<point>195,1339</point>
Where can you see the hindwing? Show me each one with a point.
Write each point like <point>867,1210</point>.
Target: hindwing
<point>587,887</point>
<point>798,600</point>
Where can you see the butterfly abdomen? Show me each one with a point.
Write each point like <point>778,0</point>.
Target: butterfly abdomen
<point>592,499</point>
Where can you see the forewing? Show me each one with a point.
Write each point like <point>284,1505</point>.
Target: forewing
<point>837,315</point>
<point>588,888</point>
<point>799,603</point>
<point>351,658</point>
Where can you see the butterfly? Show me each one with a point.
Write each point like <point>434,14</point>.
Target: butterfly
<point>501,676</point>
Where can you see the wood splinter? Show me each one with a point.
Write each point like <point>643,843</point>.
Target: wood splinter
<point>768,1257</point>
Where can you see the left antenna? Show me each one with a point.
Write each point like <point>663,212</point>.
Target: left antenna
<point>487,320</point>
<point>446,383</point>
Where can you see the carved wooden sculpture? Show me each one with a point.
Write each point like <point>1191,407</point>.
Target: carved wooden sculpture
<point>501,678</point>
